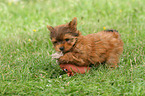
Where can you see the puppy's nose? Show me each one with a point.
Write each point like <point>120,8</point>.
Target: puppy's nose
<point>61,48</point>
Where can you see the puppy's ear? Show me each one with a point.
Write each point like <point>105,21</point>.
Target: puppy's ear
<point>50,28</point>
<point>73,23</point>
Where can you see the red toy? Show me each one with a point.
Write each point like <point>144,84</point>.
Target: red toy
<point>71,69</point>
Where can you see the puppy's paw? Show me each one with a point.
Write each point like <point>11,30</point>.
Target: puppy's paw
<point>61,61</point>
<point>57,55</point>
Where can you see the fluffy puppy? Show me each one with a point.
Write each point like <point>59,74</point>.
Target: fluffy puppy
<point>97,48</point>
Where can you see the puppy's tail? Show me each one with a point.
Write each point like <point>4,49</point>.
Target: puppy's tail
<point>114,33</point>
<point>110,30</point>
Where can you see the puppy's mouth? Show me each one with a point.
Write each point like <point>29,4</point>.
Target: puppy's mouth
<point>65,51</point>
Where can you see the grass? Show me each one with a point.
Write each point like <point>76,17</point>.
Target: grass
<point>26,66</point>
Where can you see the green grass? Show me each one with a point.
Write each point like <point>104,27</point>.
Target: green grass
<point>26,66</point>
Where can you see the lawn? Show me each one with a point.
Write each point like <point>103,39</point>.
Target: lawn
<point>26,66</point>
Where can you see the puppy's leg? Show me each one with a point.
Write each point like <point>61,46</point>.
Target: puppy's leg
<point>112,60</point>
<point>114,53</point>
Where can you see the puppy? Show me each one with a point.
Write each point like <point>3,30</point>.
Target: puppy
<point>93,49</point>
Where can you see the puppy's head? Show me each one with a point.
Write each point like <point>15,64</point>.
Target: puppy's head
<point>64,36</point>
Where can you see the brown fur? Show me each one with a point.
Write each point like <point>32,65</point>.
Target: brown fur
<point>105,46</point>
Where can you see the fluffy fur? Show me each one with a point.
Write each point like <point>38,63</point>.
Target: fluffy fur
<point>97,48</point>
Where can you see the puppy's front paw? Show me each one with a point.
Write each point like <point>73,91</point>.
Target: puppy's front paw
<point>57,55</point>
<point>61,60</point>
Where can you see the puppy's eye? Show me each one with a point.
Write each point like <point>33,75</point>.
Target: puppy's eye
<point>67,40</point>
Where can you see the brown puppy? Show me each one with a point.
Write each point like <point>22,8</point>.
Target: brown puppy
<point>102,47</point>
